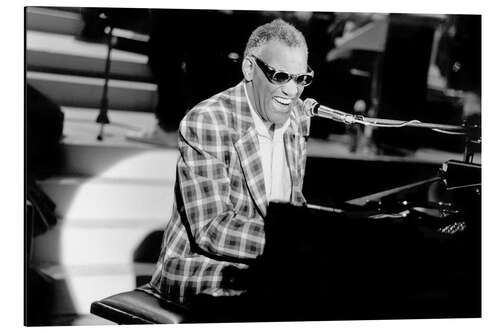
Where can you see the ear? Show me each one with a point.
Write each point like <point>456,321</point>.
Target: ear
<point>247,67</point>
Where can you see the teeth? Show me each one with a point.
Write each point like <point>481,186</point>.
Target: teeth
<point>283,100</point>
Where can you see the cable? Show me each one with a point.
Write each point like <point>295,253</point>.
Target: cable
<point>447,132</point>
<point>402,124</point>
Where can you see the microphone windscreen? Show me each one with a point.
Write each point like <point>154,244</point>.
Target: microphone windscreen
<point>309,106</point>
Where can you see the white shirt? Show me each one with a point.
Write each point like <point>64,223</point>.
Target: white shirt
<point>273,156</point>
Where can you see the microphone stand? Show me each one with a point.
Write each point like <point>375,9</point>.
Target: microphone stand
<point>399,123</point>
<point>472,132</point>
<point>102,118</point>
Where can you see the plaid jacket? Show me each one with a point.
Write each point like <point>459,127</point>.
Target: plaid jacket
<point>217,221</point>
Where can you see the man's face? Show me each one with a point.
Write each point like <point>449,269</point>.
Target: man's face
<point>274,102</point>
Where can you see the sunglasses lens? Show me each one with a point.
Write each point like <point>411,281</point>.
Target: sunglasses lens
<point>304,80</point>
<point>281,77</point>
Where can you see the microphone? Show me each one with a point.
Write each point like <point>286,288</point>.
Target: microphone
<point>314,109</point>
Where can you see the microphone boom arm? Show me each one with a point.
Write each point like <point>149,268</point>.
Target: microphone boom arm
<point>315,109</point>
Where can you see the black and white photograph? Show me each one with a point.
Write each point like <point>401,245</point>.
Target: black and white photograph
<point>194,165</point>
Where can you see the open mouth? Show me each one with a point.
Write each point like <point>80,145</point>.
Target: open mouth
<point>283,101</point>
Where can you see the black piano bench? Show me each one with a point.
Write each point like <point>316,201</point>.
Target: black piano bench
<point>139,307</point>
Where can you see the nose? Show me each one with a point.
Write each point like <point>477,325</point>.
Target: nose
<point>290,89</point>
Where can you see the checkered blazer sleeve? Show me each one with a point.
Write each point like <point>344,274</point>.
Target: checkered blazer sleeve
<point>215,226</point>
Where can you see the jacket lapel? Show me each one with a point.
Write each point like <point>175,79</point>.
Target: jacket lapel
<point>247,148</point>
<point>291,150</point>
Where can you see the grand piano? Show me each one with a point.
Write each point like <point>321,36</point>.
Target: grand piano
<point>412,251</point>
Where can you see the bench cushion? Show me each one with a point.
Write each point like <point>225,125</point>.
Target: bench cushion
<point>139,307</point>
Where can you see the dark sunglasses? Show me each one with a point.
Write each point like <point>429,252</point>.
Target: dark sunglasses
<point>280,77</point>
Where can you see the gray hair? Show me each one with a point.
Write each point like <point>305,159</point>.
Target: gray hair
<point>275,30</point>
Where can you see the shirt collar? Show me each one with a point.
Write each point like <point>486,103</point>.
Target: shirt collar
<point>263,127</point>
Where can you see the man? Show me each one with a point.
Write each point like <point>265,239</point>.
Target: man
<point>239,150</point>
